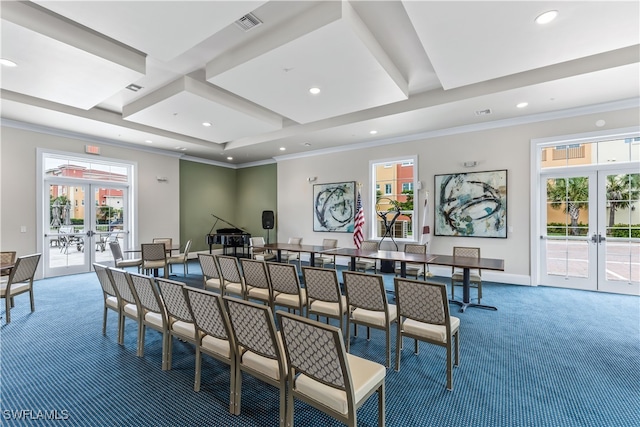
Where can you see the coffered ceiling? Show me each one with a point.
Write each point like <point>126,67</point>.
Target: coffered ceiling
<point>190,78</point>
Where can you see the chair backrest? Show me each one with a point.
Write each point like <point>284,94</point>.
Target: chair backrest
<point>253,328</point>
<point>229,269</point>
<point>321,284</point>
<point>330,243</point>
<point>24,270</point>
<point>365,291</point>
<point>174,299</point>
<point>412,248</point>
<point>105,280</point>
<point>259,241</point>
<point>284,278</point>
<point>187,248</point>
<point>147,293</point>
<point>422,301</point>
<point>154,252</point>
<point>8,257</point>
<point>121,282</point>
<point>255,273</point>
<point>326,362</point>
<point>295,240</point>
<point>168,241</point>
<point>209,266</point>
<point>116,251</point>
<point>370,245</point>
<point>465,251</point>
<point>208,312</point>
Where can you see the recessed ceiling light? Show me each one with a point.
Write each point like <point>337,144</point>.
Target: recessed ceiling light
<point>229,158</point>
<point>546,17</point>
<point>148,141</point>
<point>181,149</point>
<point>373,132</point>
<point>7,62</point>
<point>522,104</point>
<point>314,90</point>
<point>206,124</point>
<point>133,87</point>
<point>282,148</point>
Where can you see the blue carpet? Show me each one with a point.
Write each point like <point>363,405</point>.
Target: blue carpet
<point>547,357</point>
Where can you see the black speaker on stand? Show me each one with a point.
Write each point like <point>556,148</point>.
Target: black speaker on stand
<point>268,222</point>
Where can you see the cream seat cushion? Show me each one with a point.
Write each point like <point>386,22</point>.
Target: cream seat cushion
<point>365,374</point>
<point>131,309</point>
<point>212,283</point>
<point>330,308</point>
<point>472,277</point>
<point>265,365</point>
<point>260,293</point>
<point>153,264</point>
<point>154,319</point>
<point>15,288</point>
<point>374,317</point>
<point>290,299</point>
<point>233,288</point>
<point>110,301</point>
<point>216,345</point>
<point>186,329</point>
<point>429,331</point>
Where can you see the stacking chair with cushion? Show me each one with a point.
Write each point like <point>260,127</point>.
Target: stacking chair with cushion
<point>232,280</point>
<point>19,281</point>
<point>128,302</point>
<point>324,375</point>
<point>414,270</point>
<point>119,260</point>
<point>210,272</point>
<point>152,313</point>
<point>259,350</point>
<point>324,297</point>
<point>475,276</point>
<point>285,284</point>
<point>256,281</point>
<point>259,253</point>
<point>423,311</point>
<point>7,257</point>
<point>214,333</point>
<point>288,256</point>
<point>168,241</point>
<point>368,306</point>
<point>182,258</point>
<point>364,264</point>
<point>109,294</point>
<point>180,321</point>
<point>323,259</point>
<point>154,257</point>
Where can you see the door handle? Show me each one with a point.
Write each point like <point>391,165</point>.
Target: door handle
<point>90,233</point>
<point>598,238</point>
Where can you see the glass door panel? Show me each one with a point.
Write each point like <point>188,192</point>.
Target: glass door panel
<point>619,235</point>
<point>567,249</point>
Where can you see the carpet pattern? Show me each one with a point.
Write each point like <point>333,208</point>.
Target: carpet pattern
<point>547,357</point>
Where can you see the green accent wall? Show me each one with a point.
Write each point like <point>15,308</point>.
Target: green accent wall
<point>236,195</point>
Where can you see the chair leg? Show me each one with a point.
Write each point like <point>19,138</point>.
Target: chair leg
<point>196,383</point>
<point>283,405</point>
<point>104,321</point>
<point>121,329</point>
<point>33,305</point>
<point>238,393</point>
<point>141,340</point>
<point>139,350</point>
<point>457,336</point>
<point>449,367</point>
<point>349,331</point>
<point>388,333</point>
<point>7,302</point>
<point>398,346</point>
<point>166,351</point>
<point>416,349</point>
<point>381,406</point>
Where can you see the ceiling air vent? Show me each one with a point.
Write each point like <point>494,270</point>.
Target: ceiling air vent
<point>248,22</point>
<point>483,112</point>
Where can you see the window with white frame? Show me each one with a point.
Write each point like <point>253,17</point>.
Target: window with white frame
<point>393,210</point>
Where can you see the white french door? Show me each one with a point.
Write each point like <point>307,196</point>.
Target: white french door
<point>82,219</point>
<point>590,225</point>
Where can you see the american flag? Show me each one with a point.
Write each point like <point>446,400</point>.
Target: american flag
<point>359,223</point>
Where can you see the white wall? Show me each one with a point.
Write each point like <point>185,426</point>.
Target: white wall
<point>500,148</point>
<point>157,202</point>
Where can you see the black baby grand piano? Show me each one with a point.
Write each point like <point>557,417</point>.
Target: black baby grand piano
<point>233,237</point>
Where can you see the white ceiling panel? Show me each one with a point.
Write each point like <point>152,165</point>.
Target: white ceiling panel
<point>474,41</point>
<point>162,29</point>
<point>185,104</point>
<point>341,58</point>
<point>64,63</point>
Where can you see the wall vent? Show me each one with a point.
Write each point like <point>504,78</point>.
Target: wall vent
<point>248,22</point>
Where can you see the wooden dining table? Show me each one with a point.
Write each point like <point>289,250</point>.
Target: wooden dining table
<point>311,249</point>
<point>465,263</point>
